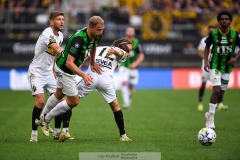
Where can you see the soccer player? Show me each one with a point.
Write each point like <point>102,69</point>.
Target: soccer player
<point>41,74</point>
<point>66,67</point>
<point>223,41</point>
<point>205,75</point>
<point>104,83</point>
<point>128,71</point>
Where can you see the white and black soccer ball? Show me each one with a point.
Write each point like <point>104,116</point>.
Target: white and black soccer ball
<point>207,136</point>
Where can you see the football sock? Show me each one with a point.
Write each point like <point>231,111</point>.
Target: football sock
<point>212,108</point>
<point>120,122</point>
<point>51,103</point>
<point>58,121</point>
<point>60,108</point>
<point>66,118</point>
<point>200,96</point>
<point>64,130</point>
<point>125,96</point>
<point>35,114</point>
<point>34,132</point>
<point>57,131</point>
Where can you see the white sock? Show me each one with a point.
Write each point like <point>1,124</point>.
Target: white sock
<point>64,130</point>
<point>34,132</point>
<point>212,108</point>
<point>51,103</point>
<point>57,131</point>
<point>125,96</point>
<point>60,108</point>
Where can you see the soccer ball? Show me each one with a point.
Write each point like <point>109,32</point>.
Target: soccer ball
<point>207,136</point>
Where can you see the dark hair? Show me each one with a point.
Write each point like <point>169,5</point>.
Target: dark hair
<point>122,44</point>
<point>224,13</point>
<point>54,14</point>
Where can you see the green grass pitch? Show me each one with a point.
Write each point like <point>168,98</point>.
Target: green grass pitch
<point>165,121</point>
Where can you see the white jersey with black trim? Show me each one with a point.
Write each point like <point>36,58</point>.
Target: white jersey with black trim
<point>108,63</point>
<point>43,59</point>
<point>201,48</point>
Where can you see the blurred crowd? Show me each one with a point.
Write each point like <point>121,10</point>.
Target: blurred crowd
<point>123,12</point>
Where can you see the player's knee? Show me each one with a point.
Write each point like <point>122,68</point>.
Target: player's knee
<point>124,83</point>
<point>40,104</point>
<point>73,102</point>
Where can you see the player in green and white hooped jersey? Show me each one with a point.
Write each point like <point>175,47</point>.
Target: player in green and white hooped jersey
<point>128,70</point>
<point>67,66</point>
<point>223,41</point>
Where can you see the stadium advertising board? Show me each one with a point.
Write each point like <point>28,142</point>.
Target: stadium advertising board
<point>16,79</point>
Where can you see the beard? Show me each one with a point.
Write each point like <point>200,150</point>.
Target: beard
<point>58,28</point>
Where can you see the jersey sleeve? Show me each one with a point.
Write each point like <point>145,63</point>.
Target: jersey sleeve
<point>139,49</point>
<point>238,39</point>
<point>201,45</point>
<point>48,38</point>
<point>124,57</point>
<point>75,46</point>
<point>209,40</point>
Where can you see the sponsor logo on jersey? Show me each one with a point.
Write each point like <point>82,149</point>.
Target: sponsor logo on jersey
<point>104,63</point>
<point>224,41</point>
<point>76,45</point>
<point>73,50</point>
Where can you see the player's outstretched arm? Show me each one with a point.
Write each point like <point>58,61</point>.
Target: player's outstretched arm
<point>57,49</point>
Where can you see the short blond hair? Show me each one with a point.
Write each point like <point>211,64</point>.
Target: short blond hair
<point>94,20</point>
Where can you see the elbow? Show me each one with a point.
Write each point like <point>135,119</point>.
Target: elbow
<point>68,64</point>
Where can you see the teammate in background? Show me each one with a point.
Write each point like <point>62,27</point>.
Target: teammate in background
<point>109,58</point>
<point>41,74</point>
<point>66,67</point>
<point>128,71</point>
<point>205,75</point>
<point>223,41</point>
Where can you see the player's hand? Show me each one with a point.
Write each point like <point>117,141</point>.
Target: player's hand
<point>111,51</point>
<point>96,68</point>
<point>206,66</point>
<point>87,79</point>
<point>133,65</point>
<point>232,61</point>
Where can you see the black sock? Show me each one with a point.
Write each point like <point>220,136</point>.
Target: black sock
<point>58,121</point>
<point>201,93</point>
<point>120,122</point>
<point>66,118</point>
<point>35,114</point>
<point>220,99</point>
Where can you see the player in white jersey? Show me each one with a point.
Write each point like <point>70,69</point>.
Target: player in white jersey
<point>205,74</point>
<point>109,58</point>
<point>104,82</point>
<point>40,72</point>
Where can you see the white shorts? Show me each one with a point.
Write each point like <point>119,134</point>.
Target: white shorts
<point>40,83</point>
<point>128,75</point>
<point>104,83</point>
<point>67,82</point>
<point>219,79</point>
<point>205,75</point>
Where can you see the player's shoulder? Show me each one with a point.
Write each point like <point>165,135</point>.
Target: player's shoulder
<point>47,31</point>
